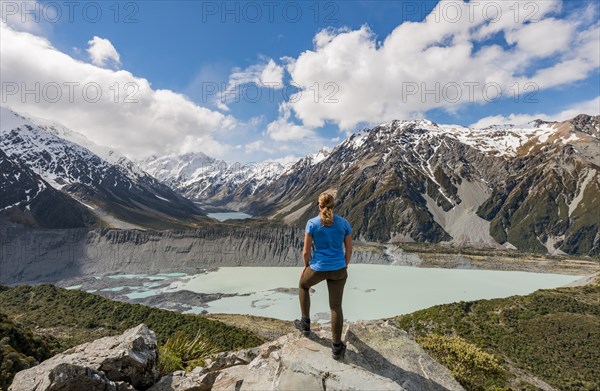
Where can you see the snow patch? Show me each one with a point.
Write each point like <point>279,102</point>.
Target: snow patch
<point>550,245</point>
<point>572,138</point>
<point>86,205</point>
<point>462,221</point>
<point>162,198</point>
<point>358,139</point>
<point>580,190</point>
<point>10,206</point>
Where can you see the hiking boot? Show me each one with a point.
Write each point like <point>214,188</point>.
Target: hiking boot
<point>338,352</point>
<point>303,325</point>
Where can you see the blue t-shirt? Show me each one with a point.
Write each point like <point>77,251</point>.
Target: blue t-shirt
<point>328,253</point>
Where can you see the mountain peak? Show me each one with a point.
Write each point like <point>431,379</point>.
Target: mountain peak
<point>10,120</point>
<point>587,124</point>
<point>319,156</point>
<point>536,123</point>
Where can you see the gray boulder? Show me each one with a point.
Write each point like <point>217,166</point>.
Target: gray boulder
<point>181,381</point>
<point>123,362</point>
<point>202,378</point>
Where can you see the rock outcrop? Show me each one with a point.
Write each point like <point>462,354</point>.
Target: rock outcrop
<point>124,362</point>
<point>379,356</point>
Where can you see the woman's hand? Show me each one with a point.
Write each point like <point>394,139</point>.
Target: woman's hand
<point>348,245</point>
<point>308,241</point>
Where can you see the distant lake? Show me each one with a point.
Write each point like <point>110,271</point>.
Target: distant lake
<point>371,291</point>
<point>229,216</point>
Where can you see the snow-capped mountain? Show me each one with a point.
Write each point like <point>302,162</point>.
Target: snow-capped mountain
<point>174,170</point>
<point>201,178</point>
<point>112,186</point>
<point>26,198</point>
<point>215,182</point>
<point>535,187</point>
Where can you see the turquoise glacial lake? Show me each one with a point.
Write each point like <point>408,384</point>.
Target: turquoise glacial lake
<point>371,291</point>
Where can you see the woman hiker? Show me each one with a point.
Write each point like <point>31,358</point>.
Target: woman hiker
<point>325,235</point>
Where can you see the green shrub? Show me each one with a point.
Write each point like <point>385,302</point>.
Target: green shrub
<point>168,361</point>
<point>182,352</point>
<point>20,349</point>
<point>546,334</point>
<point>472,367</point>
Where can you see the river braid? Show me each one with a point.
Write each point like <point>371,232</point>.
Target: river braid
<point>326,201</point>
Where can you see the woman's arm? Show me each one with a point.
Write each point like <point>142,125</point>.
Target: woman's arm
<point>348,244</point>
<point>307,247</point>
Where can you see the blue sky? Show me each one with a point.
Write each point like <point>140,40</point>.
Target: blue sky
<point>204,36</point>
<point>369,51</point>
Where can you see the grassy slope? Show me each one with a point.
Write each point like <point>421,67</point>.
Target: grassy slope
<point>72,317</point>
<point>552,334</point>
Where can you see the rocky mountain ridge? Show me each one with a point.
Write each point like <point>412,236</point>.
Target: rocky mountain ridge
<point>534,187</point>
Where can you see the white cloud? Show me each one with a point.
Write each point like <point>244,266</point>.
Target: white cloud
<point>533,38</point>
<point>257,146</point>
<point>272,75</point>
<point>441,63</point>
<point>101,51</point>
<point>590,107</point>
<point>282,129</point>
<point>262,74</point>
<point>266,74</point>
<point>280,137</point>
<point>30,16</point>
<point>113,108</point>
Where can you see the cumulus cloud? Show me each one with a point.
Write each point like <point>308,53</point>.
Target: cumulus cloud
<point>349,78</point>
<point>110,107</point>
<point>257,146</point>
<point>265,74</point>
<point>27,15</point>
<point>590,107</point>
<point>280,137</point>
<point>533,38</point>
<point>272,75</point>
<point>283,129</point>
<point>102,51</point>
<point>442,62</point>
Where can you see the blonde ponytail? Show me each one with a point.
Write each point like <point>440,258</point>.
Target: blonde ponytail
<point>326,202</point>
